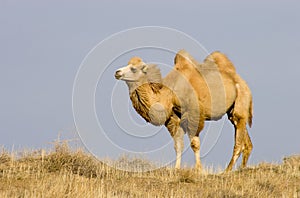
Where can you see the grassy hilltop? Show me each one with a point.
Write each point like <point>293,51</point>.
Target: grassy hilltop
<point>66,173</point>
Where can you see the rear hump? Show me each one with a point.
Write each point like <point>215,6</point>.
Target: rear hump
<point>224,64</point>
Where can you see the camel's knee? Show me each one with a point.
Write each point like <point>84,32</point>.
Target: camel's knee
<point>178,146</point>
<point>195,143</point>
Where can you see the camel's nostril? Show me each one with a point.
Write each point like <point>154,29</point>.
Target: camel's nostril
<point>118,74</point>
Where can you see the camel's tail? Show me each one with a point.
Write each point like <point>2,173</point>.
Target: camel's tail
<point>250,116</point>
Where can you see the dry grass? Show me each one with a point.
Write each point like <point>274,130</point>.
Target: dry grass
<point>66,173</point>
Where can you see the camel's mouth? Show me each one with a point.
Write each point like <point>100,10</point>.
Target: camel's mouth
<point>120,76</point>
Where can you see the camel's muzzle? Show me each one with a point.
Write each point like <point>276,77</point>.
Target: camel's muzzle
<point>118,75</point>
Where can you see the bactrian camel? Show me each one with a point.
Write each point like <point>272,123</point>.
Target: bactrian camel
<point>189,95</point>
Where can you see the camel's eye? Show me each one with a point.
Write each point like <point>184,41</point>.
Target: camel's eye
<point>133,69</point>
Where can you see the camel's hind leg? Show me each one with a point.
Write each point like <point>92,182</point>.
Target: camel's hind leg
<point>247,149</point>
<point>240,134</point>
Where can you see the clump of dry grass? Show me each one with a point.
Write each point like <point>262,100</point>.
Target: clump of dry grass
<point>66,173</point>
<point>77,162</point>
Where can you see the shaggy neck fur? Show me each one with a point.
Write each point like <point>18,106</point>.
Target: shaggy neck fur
<point>145,92</point>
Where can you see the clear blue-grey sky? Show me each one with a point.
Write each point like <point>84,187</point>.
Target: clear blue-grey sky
<point>42,44</point>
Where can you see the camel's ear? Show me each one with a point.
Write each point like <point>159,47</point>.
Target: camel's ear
<point>144,68</point>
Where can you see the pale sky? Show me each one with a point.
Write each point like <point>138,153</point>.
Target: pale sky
<point>43,43</point>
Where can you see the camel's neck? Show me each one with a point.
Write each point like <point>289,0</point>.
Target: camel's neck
<point>149,96</point>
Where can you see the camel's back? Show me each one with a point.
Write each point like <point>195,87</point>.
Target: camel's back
<point>215,89</point>
<point>214,82</point>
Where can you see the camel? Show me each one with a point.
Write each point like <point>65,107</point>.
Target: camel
<point>190,94</point>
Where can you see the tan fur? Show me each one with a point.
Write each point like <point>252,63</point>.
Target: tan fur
<point>146,97</point>
<point>135,60</point>
<point>224,64</point>
<point>190,94</point>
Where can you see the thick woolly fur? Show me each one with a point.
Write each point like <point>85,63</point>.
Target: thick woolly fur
<point>190,94</point>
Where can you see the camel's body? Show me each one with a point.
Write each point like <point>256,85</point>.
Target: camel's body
<point>190,94</point>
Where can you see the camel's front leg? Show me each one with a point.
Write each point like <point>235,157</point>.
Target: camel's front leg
<point>178,146</point>
<point>177,134</point>
<point>193,130</point>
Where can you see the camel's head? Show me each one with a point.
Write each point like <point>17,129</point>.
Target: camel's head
<point>136,70</point>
